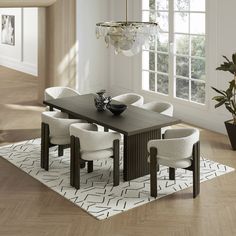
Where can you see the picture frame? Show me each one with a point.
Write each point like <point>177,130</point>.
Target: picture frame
<point>8,30</point>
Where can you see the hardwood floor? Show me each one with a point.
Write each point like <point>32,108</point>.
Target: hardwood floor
<point>19,111</point>
<point>28,208</point>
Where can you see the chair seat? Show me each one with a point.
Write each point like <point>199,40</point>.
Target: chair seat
<point>60,140</point>
<point>181,163</point>
<point>97,155</point>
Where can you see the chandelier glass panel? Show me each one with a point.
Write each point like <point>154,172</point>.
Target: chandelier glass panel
<point>127,37</point>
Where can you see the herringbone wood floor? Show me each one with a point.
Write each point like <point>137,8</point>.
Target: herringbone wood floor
<point>29,208</point>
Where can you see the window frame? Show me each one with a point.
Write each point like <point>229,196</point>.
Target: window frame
<point>172,55</point>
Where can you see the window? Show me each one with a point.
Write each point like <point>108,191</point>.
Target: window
<point>174,64</point>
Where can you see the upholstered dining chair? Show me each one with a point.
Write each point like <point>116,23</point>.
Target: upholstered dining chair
<point>180,148</point>
<point>59,92</point>
<point>130,99</point>
<point>163,108</point>
<point>54,131</point>
<point>89,144</point>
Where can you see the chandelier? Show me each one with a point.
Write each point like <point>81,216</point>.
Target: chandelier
<point>127,37</point>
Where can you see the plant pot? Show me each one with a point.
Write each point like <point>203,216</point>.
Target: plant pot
<point>231,130</point>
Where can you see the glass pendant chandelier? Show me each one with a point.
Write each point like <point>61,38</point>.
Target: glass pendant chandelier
<point>127,37</point>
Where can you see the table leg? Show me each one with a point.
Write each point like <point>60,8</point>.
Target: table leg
<point>136,154</point>
<point>72,160</point>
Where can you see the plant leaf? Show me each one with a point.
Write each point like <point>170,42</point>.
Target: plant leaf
<point>232,84</point>
<point>232,68</point>
<point>220,103</point>
<point>234,106</point>
<point>218,98</point>
<point>226,58</point>
<point>230,109</point>
<point>224,67</point>
<point>229,92</point>
<point>234,58</point>
<point>228,65</point>
<point>219,91</point>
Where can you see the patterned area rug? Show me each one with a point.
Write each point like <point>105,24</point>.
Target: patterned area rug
<point>97,195</point>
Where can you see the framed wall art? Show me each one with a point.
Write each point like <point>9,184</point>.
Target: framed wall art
<point>8,30</point>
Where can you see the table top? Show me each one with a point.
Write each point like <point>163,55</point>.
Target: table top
<point>133,120</point>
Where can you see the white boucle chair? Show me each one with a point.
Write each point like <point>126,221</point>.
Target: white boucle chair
<point>163,108</point>
<point>59,92</point>
<point>180,148</point>
<point>54,131</point>
<point>130,99</point>
<point>87,145</point>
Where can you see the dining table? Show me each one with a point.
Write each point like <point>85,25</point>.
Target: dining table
<point>138,126</point>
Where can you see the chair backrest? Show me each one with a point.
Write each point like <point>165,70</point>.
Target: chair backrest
<point>164,108</point>
<point>190,133</point>
<point>130,99</point>
<point>58,122</point>
<point>185,139</point>
<point>177,143</point>
<point>91,139</point>
<point>59,92</point>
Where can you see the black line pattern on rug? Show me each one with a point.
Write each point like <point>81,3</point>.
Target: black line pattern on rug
<point>97,195</point>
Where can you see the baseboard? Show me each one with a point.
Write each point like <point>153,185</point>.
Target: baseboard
<point>19,66</point>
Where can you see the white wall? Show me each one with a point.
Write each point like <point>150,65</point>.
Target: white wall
<point>30,36</point>
<point>93,57</point>
<point>125,73</point>
<point>23,56</point>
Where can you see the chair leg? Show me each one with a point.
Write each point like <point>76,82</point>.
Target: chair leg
<point>106,129</point>
<point>72,158</point>
<point>60,150</point>
<point>90,166</point>
<point>153,171</point>
<point>171,173</point>
<point>42,144</point>
<point>77,158</point>
<point>116,162</point>
<point>45,147</point>
<point>46,160</point>
<point>196,169</point>
<point>82,165</point>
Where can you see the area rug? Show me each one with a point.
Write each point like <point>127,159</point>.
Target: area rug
<point>97,195</point>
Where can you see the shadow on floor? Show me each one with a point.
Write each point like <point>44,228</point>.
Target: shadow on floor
<point>18,135</point>
<point>29,103</point>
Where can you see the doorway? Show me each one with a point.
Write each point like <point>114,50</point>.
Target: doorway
<point>57,58</point>
<point>19,107</point>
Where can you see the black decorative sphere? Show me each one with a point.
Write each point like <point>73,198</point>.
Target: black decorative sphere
<point>116,109</point>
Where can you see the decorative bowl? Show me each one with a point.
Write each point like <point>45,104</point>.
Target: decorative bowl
<point>116,109</point>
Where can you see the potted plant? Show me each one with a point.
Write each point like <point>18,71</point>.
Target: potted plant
<point>228,98</point>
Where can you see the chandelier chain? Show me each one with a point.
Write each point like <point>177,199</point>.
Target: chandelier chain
<point>126,11</point>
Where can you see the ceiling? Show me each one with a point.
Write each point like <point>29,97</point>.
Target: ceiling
<point>26,3</point>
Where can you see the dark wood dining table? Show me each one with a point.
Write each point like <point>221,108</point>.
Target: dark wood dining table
<point>136,124</point>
